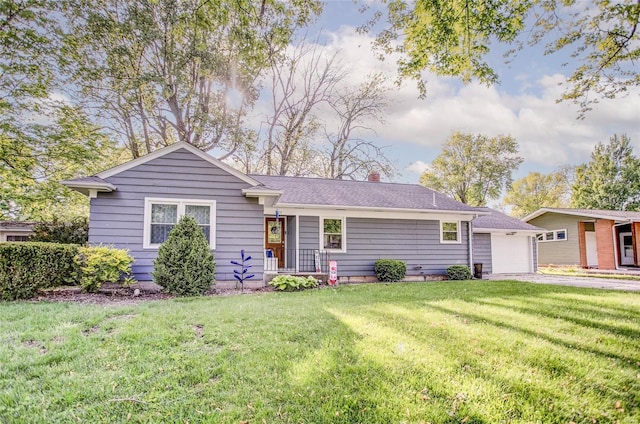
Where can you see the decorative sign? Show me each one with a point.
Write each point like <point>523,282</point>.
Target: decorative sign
<point>333,273</point>
<point>317,261</point>
<point>274,232</point>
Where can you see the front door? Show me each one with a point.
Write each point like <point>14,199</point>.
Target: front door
<point>626,249</point>
<point>274,238</point>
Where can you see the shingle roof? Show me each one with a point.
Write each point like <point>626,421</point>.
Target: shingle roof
<point>92,179</point>
<point>499,221</point>
<point>624,216</point>
<point>16,225</point>
<point>320,191</point>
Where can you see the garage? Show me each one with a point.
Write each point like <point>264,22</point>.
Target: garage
<point>503,244</point>
<point>511,254</point>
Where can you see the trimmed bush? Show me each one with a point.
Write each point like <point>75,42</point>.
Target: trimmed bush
<point>388,270</point>
<point>75,231</point>
<point>291,283</point>
<point>26,268</point>
<point>459,272</point>
<point>185,265</point>
<point>103,264</point>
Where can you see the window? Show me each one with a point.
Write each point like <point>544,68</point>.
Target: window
<point>333,234</point>
<point>161,215</point>
<point>557,235</point>
<point>449,232</point>
<point>17,238</point>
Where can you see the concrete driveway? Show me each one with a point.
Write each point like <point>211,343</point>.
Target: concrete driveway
<point>589,282</point>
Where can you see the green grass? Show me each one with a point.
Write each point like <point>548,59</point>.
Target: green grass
<point>446,352</point>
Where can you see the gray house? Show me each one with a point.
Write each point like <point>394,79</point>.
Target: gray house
<point>288,224</point>
<point>504,245</point>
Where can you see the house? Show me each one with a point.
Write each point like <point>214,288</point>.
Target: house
<point>504,245</point>
<point>16,230</point>
<point>587,238</point>
<point>300,223</point>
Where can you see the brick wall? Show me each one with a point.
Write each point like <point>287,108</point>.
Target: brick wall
<point>604,240</point>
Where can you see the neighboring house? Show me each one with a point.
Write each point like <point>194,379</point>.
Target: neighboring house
<point>504,245</point>
<point>299,222</point>
<point>15,230</point>
<point>587,238</point>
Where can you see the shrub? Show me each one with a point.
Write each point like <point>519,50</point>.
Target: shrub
<point>291,283</point>
<point>26,268</point>
<point>75,231</point>
<point>185,265</point>
<point>390,270</point>
<point>103,264</point>
<point>459,272</point>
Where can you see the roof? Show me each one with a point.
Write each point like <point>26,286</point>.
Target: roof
<point>299,191</point>
<point>621,216</point>
<point>16,225</point>
<point>498,221</point>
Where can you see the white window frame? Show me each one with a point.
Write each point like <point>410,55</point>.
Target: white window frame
<point>542,237</point>
<point>181,203</point>
<point>458,239</point>
<point>343,234</point>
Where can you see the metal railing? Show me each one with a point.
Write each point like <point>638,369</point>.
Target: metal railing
<point>310,260</point>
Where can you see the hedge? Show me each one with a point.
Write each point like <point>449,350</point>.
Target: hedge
<point>26,268</point>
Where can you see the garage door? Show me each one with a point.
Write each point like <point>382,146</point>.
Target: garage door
<point>510,254</point>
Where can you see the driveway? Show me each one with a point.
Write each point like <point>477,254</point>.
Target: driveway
<point>560,280</point>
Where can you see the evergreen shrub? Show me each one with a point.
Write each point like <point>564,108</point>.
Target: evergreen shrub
<point>388,270</point>
<point>459,272</point>
<point>185,265</point>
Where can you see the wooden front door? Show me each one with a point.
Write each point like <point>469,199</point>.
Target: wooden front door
<point>274,238</point>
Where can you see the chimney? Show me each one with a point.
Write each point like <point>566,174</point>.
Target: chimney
<point>374,177</point>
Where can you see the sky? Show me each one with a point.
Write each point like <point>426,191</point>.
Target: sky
<point>522,105</point>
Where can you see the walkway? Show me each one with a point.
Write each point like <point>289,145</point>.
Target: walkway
<point>561,280</point>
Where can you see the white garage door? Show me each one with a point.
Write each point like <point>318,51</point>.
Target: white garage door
<point>510,254</point>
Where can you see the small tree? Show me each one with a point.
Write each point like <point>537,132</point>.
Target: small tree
<point>75,231</point>
<point>185,265</point>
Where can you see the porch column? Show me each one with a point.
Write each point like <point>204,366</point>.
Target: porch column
<point>582,245</point>
<point>635,232</point>
<point>604,240</point>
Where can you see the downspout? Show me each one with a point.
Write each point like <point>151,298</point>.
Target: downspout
<point>470,246</point>
<point>297,243</point>
<point>616,252</point>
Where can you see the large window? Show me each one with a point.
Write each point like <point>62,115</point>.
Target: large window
<point>333,234</point>
<point>12,237</point>
<point>161,215</point>
<point>557,235</point>
<point>449,231</point>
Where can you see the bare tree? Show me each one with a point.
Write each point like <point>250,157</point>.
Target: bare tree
<point>317,121</point>
<point>358,107</point>
<point>301,82</point>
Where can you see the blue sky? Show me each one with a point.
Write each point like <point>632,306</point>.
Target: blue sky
<point>522,105</point>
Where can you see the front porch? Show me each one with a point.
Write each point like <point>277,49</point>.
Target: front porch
<point>289,249</point>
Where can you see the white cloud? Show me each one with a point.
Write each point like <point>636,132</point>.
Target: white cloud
<point>549,133</point>
<point>417,167</point>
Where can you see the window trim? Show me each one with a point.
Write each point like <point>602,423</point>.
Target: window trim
<point>343,220</point>
<point>181,203</point>
<point>555,236</point>
<point>458,239</point>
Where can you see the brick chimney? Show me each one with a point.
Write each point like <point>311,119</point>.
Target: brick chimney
<point>374,177</point>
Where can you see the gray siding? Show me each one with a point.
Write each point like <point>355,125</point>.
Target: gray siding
<point>482,251</point>
<point>559,252</point>
<point>416,242</point>
<point>117,218</point>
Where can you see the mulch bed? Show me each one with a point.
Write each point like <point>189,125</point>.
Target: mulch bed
<point>125,295</point>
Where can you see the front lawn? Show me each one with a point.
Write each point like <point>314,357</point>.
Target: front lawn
<point>458,352</point>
